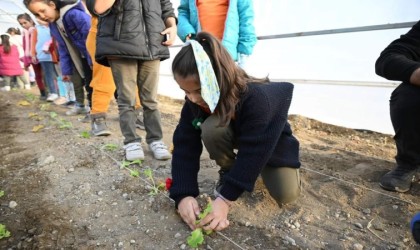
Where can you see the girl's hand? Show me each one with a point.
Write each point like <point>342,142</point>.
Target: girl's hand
<point>189,210</point>
<point>66,78</point>
<point>217,218</point>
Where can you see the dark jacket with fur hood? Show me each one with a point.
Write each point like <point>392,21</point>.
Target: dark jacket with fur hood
<point>131,29</point>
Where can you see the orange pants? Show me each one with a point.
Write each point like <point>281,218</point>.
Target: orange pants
<point>102,81</point>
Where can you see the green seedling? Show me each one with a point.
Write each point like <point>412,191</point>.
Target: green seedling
<point>30,97</point>
<point>44,106</point>
<point>155,188</point>
<point>133,172</point>
<point>64,124</point>
<point>85,134</point>
<point>61,123</point>
<point>53,115</point>
<point>110,147</point>
<point>1,193</point>
<point>197,237</point>
<point>3,232</point>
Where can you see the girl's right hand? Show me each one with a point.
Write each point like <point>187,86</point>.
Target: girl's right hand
<point>66,78</point>
<point>189,210</point>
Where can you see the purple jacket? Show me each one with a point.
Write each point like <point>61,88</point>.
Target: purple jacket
<point>76,23</point>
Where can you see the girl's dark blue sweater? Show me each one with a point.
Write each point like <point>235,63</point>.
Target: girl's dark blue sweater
<point>263,136</point>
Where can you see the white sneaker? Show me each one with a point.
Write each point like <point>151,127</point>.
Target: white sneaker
<point>52,97</point>
<point>5,88</point>
<point>160,151</point>
<point>27,86</point>
<point>134,151</point>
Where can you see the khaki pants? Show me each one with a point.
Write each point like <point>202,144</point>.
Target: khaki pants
<point>131,75</point>
<point>282,182</point>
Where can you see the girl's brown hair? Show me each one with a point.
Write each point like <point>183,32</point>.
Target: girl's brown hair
<point>5,43</point>
<point>231,78</point>
<point>27,17</point>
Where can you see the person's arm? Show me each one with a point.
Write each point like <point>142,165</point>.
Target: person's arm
<point>185,28</point>
<point>186,155</point>
<point>401,59</point>
<point>81,20</point>
<point>34,40</point>
<point>102,6</point>
<point>170,31</point>
<point>247,36</point>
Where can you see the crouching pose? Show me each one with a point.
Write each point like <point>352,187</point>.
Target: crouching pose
<point>242,122</point>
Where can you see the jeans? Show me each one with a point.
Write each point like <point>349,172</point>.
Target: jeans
<point>282,182</point>
<point>405,110</point>
<point>129,74</point>
<point>49,76</point>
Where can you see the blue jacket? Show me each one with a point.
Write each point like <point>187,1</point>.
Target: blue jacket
<point>239,34</point>
<point>76,23</point>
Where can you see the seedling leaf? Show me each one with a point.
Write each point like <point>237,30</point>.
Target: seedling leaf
<point>196,238</point>
<point>1,193</point>
<point>133,172</point>
<point>85,134</point>
<point>30,97</point>
<point>110,147</point>
<point>44,106</point>
<point>3,232</point>
<point>53,115</point>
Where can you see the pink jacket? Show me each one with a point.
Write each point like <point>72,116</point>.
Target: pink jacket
<point>9,63</point>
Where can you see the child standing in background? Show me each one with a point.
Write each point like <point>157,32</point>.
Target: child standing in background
<point>231,21</point>
<point>40,51</point>
<point>69,25</point>
<point>9,63</point>
<point>131,35</point>
<point>29,26</point>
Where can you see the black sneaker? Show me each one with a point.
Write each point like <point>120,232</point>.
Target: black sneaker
<point>398,180</point>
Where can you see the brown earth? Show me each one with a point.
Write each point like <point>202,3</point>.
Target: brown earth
<point>64,191</point>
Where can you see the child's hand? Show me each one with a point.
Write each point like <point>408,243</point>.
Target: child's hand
<point>171,32</point>
<point>189,210</point>
<point>66,78</point>
<point>217,218</point>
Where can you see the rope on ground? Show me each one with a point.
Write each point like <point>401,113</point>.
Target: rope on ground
<point>359,186</point>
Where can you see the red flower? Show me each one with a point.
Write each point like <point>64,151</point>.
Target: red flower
<point>168,183</point>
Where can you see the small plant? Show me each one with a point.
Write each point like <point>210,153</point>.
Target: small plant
<point>133,172</point>
<point>4,233</point>
<point>30,97</point>
<point>64,124</point>
<point>44,106</point>
<point>61,123</point>
<point>155,188</point>
<point>1,193</point>
<point>110,147</point>
<point>85,134</point>
<point>197,236</point>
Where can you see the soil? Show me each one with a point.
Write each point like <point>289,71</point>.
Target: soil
<point>65,191</point>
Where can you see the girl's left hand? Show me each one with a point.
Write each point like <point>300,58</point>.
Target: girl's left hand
<point>217,218</point>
